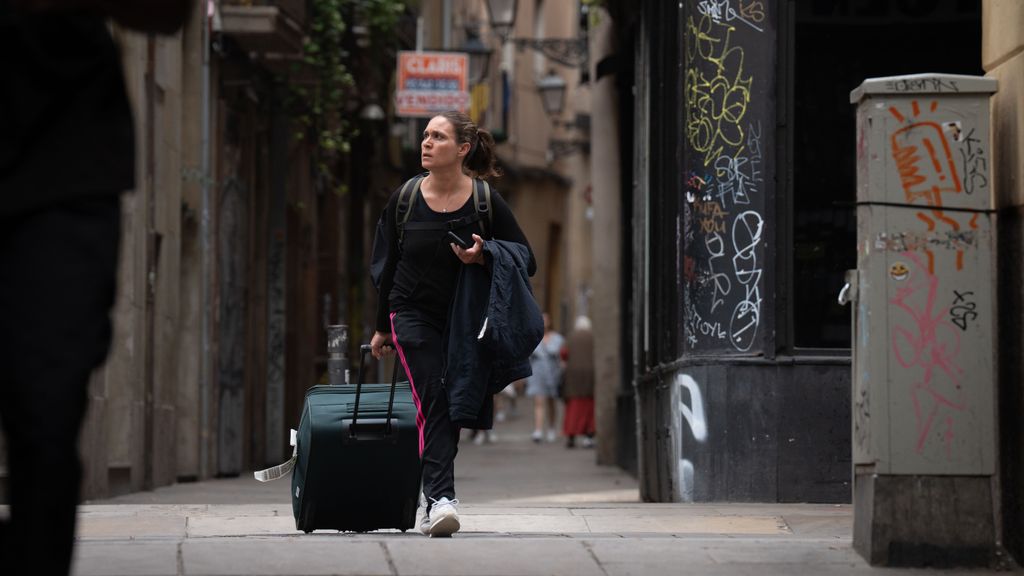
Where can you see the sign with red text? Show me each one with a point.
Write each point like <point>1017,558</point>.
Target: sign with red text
<point>431,82</point>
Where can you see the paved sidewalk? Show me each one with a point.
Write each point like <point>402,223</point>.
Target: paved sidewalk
<point>528,510</point>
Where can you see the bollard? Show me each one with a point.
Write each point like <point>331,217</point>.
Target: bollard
<point>337,356</point>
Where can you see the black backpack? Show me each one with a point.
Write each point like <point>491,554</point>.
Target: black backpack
<point>406,197</point>
<point>410,192</point>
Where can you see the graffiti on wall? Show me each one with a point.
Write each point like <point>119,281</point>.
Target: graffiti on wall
<point>727,111</point>
<point>689,420</point>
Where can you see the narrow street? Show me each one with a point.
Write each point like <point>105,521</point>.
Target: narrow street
<point>527,510</point>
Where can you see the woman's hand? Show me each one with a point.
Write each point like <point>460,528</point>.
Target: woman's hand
<point>474,255</point>
<point>380,345</point>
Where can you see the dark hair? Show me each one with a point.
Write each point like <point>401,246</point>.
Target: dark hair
<point>481,160</point>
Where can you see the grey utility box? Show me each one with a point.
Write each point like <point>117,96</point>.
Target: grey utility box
<point>924,372</point>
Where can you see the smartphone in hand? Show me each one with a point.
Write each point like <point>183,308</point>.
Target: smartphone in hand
<point>453,237</point>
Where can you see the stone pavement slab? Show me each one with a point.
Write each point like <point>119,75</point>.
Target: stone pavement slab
<point>740,557</point>
<point>241,526</point>
<point>111,527</point>
<point>277,556</point>
<point>494,556</point>
<point>530,523</point>
<point>685,524</point>
<point>126,559</point>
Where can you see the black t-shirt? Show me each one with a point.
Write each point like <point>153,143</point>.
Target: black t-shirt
<point>65,122</point>
<point>423,276</point>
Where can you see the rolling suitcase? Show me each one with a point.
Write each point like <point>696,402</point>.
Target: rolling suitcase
<point>356,458</point>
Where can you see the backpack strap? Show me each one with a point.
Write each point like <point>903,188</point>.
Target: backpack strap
<point>410,190</point>
<point>482,202</point>
<point>448,225</point>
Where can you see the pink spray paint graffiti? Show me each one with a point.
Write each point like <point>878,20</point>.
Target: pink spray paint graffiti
<point>929,345</point>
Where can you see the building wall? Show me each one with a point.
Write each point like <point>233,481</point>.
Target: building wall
<point>722,415</point>
<point>542,204</point>
<point>734,432</point>
<point>608,311</point>
<point>154,418</point>
<point>189,427</point>
<point>129,439</point>
<point>1003,59</point>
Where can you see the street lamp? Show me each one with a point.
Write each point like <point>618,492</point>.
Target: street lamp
<point>567,51</point>
<point>503,17</point>
<point>479,56</point>
<point>552,93</point>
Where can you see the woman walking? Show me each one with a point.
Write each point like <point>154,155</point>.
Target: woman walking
<point>418,282</point>
<point>547,365</point>
<point>579,386</point>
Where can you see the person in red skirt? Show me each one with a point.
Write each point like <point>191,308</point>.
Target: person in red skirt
<point>578,391</point>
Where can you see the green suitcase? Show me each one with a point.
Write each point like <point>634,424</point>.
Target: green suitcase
<point>357,461</point>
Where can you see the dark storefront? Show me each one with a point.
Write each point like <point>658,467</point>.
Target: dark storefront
<point>743,224</point>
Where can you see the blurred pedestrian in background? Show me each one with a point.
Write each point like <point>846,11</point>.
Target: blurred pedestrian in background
<point>578,392</point>
<point>66,154</point>
<point>547,367</point>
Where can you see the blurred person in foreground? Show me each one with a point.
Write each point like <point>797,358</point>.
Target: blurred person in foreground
<point>66,155</point>
<point>578,392</point>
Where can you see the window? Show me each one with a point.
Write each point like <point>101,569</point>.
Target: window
<point>838,44</point>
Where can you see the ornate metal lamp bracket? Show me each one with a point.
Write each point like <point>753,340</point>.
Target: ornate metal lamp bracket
<point>559,148</point>
<point>567,51</point>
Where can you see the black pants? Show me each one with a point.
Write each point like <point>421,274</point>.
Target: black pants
<point>421,351</point>
<point>58,271</point>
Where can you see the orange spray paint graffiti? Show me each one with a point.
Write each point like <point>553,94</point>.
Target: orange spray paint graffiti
<point>927,170</point>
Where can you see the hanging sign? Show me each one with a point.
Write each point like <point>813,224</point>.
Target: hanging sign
<point>431,82</point>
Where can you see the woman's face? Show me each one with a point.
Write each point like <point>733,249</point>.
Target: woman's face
<point>439,148</point>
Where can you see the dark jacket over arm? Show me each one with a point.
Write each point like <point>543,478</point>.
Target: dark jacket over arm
<point>495,325</point>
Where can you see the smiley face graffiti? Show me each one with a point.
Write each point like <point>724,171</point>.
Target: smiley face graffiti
<point>899,271</point>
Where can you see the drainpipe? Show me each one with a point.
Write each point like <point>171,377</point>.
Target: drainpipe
<point>149,384</point>
<point>446,18</point>
<point>204,252</point>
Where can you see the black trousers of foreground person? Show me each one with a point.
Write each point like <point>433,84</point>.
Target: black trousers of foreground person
<point>421,352</point>
<point>58,271</point>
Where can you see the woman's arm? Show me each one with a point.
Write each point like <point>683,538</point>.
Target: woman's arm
<point>387,277</point>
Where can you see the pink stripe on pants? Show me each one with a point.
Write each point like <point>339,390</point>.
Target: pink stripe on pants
<point>420,420</point>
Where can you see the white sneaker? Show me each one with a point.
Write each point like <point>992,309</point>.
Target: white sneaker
<point>552,436</point>
<point>425,524</point>
<point>444,518</point>
<point>537,436</point>
<point>478,440</point>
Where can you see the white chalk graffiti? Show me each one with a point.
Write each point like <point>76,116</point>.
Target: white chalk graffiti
<point>745,11</point>
<point>716,250</point>
<point>693,414</point>
<point>746,235</point>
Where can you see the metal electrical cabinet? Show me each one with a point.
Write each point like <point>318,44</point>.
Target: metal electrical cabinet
<point>924,372</point>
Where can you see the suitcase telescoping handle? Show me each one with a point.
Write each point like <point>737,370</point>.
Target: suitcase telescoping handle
<point>364,350</point>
